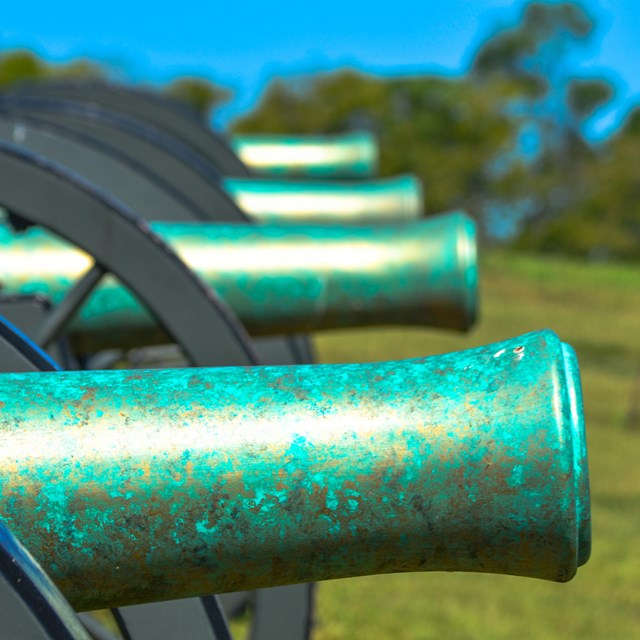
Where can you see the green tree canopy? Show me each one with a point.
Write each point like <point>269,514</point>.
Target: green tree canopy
<point>24,66</point>
<point>199,93</point>
<point>21,65</point>
<point>605,221</point>
<point>536,56</point>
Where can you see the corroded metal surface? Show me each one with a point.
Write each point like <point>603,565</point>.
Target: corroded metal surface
<point>350,155</point>
<point>144,486</point>
<point>312,202</point>
<point>276,279</point>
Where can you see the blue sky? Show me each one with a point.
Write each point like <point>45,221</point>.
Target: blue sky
<point>243,45</point>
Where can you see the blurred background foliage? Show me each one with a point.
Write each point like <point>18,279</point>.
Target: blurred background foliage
<point>506,141</point>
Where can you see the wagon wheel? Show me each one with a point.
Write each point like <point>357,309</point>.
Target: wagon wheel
<point>18,353</point>
<point>173,161</point>
<point>30,604</point>
<point>62,202</point>
<point>161,111</point>
<point>49,195</point>
<point>132,183</point>
<point>115,172</point>
<point>74,209</point>
<point>155,156</point>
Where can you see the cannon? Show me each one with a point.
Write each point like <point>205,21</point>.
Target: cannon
<point>276,279</point>
<point>168,484</point>
<point>298,202</point>
<point>347,155</point>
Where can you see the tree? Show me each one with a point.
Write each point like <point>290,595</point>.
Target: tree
<point>24,66</point>
<point>17,66</point>
<point>200,94</point>
<point>605,222</point>
<point>534,59</point>
<point>20,66</point>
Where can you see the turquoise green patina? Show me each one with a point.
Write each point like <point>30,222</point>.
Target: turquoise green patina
<point>346,155</point>
<point>276,279</point>
<point>313,202</point>
<point>131,487</point>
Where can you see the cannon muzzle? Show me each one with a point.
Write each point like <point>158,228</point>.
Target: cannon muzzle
<point>144,486</point>
<point>276,279</point>
<point>387,201</point>
<point>351,155</point>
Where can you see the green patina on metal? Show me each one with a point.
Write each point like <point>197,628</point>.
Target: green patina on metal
<point>132,487</point>
<point>276,279</point>
<point>347,155</point>
<point>312,202</point>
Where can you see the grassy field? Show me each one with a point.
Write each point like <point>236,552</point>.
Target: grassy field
<point>597,310</point>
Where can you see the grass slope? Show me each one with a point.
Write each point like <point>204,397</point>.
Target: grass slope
<point>597,310</point>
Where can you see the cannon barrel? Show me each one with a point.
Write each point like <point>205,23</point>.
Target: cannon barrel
<point>131,487</point>
<point>350,155</point>
<point>312,202</point>
<point>276,279</point>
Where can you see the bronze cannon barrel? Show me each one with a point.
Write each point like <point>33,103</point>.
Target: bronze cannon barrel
<point>271,201</point>
<point>347,155</point>
<point>276,279</point>
<point>150,485</point>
